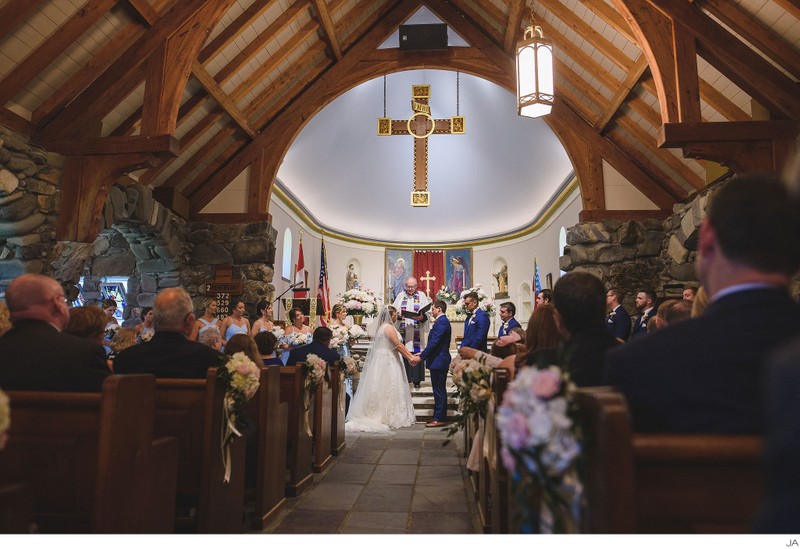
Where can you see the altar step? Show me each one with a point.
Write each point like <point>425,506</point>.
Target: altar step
<point>422,399</point>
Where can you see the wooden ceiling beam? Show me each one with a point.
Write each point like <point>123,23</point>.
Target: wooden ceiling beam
<point>515,10</point>
<point>16,122</point>
<point>15,12</point>
<point>274,60</point>
<point>232,31</point>
<point>611,17</point>
<point>677,135</point>
<point>143,10</point>
<point>587,162</point>
<point>328,27</point>
<point>790,6</point>
<point>230,151</point>
<point>619,159</point>
<point>186,141</point>
<point>720,103</point>
<point>120,78</point>
<point>325,88</point>
<point>160,145</point>
<point>753,31</point>
<point>589,34</point>
<point>52,46</point>
<point>85,75</point>
<point>259,43</point>
<point>745,67</point>
<point>366,24</point>
<point>673,162</point>
<point>624,90</point>
<point>211,86</point>
<point>474,19</point>
<point>666,181</point>
<point>177,179</point>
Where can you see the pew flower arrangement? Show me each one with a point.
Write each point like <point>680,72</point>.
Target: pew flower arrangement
<point>473,389</point>
<point>484,301</point>
<point>241,378</point>
<point>5,418</point>
<point>540,445</point>
<point>316,370</point>
<point>360,302</point>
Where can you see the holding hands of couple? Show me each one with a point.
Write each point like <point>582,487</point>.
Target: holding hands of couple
<point>414,360</point>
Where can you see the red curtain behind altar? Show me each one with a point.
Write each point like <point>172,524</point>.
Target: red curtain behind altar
<point>429,263</point>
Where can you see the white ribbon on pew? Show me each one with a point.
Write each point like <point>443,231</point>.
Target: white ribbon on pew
<point>306,406</point>
<point>228,430</point>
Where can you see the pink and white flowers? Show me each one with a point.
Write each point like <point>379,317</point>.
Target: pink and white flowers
<point>484,301</point>
<point>340,336</point>
<point>244,374</point>
<point>241,378</point>
<point>473,384</point>
<point>360,302</point>
<point>315,372</point>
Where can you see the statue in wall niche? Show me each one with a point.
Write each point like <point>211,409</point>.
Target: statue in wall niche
<point>351,281</point>
<point>502,282</point>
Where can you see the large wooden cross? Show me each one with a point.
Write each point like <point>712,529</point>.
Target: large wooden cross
<point>427,279</point>
<point>421,125</point>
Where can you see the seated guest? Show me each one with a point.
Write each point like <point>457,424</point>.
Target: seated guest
<point>211,337</point>
<point>657,322</point>
<point>145,329</point>
<point>698,375</point>
<point>543,297</point>
<point>124,338</point>
<point>266,343</point>
<point>36,355</point>
<point>243,343</point>
<point>679,311</point>
<point>170,354</point>
<point>579,299</point>
<point>689,293</point>
<point>87,323</point>
<point>318,346</point>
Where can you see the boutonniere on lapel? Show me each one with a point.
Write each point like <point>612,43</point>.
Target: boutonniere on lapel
<point>611,316</point>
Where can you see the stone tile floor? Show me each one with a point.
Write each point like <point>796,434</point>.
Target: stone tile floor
<point>403,483</point>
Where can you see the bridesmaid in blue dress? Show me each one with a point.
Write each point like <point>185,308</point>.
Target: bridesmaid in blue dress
<point>297,326</point>
<point>264,322</point>
<point>206,321</point>
<point>235,323</point>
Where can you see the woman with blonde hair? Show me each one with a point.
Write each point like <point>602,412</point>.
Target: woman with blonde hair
<point>208,319</point>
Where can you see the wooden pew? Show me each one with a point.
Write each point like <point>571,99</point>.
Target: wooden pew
<point>663,482</point>
<point>298,443</point>
<point>90,459</point>
<point>495,499</point>
<point>270,417</point>
<point>322,424</point>
<point>338,401</point>
<point>16,509</point>
<point>191,411</point>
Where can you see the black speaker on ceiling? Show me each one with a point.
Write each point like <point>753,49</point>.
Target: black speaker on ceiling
<point>423,37</point>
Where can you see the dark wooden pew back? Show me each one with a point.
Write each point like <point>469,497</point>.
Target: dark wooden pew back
<point>298,443</point>
<point>664,482</point>
<point>191,411</point>
<point>88,457</point>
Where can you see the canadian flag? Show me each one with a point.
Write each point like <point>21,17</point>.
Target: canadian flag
<point>300,273</point>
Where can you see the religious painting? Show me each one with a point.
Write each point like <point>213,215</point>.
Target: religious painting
<point>458,269</point>
<point>399,266</point>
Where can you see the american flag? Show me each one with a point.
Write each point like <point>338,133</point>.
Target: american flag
<point>323,294</point>
<point>537,282</point>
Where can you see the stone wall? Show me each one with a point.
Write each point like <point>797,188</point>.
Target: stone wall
<point>635,255</point>
<point>139,238</point>
<point>29,197</point>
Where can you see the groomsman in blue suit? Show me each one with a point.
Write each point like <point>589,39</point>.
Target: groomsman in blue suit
<point>507,312</point>
<point>618,321</point>
<point>476,329</point>
<point>437,359</point>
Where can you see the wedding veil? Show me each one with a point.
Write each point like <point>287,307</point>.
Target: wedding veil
<point>384,317</point>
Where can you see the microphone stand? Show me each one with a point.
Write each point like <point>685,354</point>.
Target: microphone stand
<point>295,287</point>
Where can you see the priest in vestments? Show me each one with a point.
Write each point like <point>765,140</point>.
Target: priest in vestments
<point>413,331</point>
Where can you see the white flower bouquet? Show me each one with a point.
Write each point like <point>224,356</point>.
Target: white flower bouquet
<point>146,336</point>
<point>447,295</point>
<point>356,332</point>
<point>539,440</point>
<point>484,301</point>
<point>241,378</point>
<point>340,336</point>
<point>5,418</point>
<point>277,331</point>
<point>296,339</point>
<point>360,302</point>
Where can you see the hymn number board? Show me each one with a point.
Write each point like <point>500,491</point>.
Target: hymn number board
<point>224,289</point>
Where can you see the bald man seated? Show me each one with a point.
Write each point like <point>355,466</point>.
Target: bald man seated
<point>170,354</point>
<point>36,355</point>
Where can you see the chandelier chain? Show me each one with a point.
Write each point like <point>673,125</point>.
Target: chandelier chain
<point>458,93</point>
<point>384,96</point>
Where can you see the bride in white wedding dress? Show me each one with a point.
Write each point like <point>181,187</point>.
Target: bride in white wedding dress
<point>383,401</point>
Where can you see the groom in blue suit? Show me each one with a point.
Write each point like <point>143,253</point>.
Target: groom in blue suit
<point>476,330</point>
<point>437,359</point>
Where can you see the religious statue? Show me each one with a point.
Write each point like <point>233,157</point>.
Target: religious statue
<point>399,276</point>
<point>502,282</point>
<point>351,281</point>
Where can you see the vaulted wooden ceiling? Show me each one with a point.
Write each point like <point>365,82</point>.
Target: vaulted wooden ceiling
<point>187,94</point>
